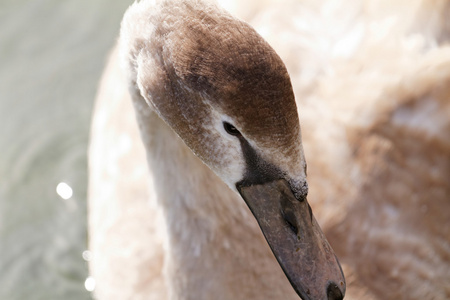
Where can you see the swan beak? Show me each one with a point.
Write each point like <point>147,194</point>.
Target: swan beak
<point>296,240</point>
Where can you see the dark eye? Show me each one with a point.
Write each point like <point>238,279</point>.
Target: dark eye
<point>230,129</point>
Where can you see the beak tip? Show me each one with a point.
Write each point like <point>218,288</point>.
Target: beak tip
<point>334,292</point>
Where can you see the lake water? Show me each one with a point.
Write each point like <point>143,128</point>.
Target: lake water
<point>51,58</point>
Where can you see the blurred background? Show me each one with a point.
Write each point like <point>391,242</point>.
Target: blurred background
<point>51,55</point>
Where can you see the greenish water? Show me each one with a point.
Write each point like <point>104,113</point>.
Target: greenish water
<point>51,58</point>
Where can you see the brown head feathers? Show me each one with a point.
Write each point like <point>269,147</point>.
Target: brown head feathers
<point>203,59</point>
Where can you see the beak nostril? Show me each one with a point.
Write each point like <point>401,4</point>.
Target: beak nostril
<point>289,217</point>
<point>333,292</point>
<point>287,211</point>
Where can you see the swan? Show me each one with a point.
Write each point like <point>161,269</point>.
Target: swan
<point>375,106</point>
<point>209,91</point>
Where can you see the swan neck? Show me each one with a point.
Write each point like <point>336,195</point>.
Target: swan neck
<point>206,224</point>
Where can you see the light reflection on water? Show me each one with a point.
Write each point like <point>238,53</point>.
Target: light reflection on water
<point>87,255</point>
<point>89,284</point>
<point>52,54</point>
<point>64,190</point>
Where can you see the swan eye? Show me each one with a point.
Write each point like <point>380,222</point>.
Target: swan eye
<point>230,129</point>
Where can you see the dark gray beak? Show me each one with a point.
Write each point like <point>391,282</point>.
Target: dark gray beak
<point>296,240</point>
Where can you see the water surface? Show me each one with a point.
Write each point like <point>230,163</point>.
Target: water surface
<point>51,57</point>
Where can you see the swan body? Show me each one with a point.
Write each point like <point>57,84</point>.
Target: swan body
<point>381,196</point>
<point>371,79</point>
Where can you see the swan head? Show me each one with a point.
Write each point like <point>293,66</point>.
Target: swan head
<point>228,95</point>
